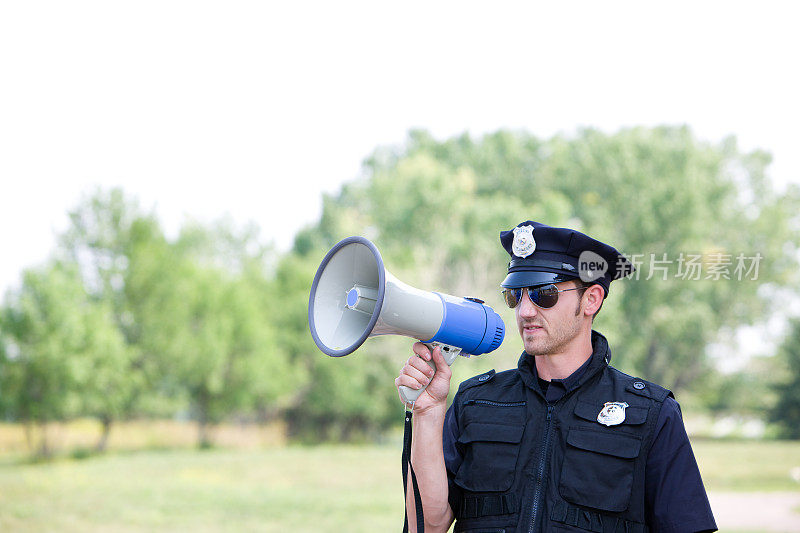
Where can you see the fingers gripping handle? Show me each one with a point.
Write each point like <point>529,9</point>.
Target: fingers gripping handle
<point>448,352</point>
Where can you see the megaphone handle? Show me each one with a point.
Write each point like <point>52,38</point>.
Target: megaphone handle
<point>448,352</point>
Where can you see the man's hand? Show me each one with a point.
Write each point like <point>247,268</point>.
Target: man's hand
<point>416,374</point>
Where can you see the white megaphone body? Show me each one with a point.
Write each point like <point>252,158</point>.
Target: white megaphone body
<point>354,297</point>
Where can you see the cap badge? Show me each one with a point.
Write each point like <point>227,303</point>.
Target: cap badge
<point>613,413</point>
<point>523,244</point>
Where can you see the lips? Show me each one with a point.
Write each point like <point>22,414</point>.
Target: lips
<point>530,328</point>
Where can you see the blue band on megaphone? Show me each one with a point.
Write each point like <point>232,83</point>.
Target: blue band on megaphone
<point>473,327</point>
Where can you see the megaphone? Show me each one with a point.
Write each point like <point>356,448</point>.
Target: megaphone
<point>353,297</point>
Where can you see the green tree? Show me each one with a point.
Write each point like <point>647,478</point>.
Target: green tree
<point>107,389</point>
<point>103,228</point>
<point>786,412</point>
<point>63,353</point>
<point>106,229</point>
<point>206,319</point>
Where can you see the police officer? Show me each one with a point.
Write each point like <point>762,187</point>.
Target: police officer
<point>564,442</point>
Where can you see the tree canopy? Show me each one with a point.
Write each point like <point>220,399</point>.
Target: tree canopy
<point>213,324</point>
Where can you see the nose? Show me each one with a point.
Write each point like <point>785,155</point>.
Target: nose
<point>526,307</point>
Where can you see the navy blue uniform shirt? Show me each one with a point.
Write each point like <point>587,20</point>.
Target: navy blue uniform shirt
<point>675,498</point>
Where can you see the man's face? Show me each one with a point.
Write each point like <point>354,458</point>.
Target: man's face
<point>548,331</point>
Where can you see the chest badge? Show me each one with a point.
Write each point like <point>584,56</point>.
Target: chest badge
<point>612,413</point>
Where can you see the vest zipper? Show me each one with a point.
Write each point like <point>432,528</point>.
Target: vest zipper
<point>540,475</point>
<point>496,404</point>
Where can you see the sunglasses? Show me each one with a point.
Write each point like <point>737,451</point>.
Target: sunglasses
<point>544,296</point>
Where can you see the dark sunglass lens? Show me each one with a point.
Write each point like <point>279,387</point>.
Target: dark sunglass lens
<point>512,297</point>
<point>548,296</point>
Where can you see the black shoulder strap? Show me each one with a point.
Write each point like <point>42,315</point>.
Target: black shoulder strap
<point>480,379</point>
<point>406,467</point>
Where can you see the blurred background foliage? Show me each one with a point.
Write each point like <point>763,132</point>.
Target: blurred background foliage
<point>125,322</point>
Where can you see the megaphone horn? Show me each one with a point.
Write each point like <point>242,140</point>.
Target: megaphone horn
<point>353,297</point>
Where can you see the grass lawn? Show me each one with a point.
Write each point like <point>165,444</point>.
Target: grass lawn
<point>748,466</point>
<point>282,489</point>
<point>328,488</point>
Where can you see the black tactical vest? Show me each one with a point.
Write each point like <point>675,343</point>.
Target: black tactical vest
<point>533,466</point>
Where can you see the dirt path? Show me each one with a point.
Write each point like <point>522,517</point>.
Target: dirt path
<point>756,511</point>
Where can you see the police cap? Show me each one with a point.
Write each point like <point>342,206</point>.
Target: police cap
<point>544,254</point>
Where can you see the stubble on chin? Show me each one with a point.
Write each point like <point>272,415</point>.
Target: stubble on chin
<point>539,349</point>
<point>554,341</point>
<point>541,346</point>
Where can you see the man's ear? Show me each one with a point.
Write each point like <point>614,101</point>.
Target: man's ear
<point>594,299</point>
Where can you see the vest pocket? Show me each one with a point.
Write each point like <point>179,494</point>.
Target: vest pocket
<point>490,456</point>
<point>598,468</point>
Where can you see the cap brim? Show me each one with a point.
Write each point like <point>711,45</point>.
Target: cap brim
<point>527,278</point>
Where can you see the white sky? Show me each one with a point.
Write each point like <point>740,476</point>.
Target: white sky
<point>207,108</point>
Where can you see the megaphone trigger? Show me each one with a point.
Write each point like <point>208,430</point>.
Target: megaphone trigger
<point>449,353</point>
